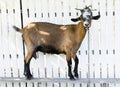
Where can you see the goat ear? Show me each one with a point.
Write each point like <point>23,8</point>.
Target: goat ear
<point>76,19</point>
<point>96,17</point>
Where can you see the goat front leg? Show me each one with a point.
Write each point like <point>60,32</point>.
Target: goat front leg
<point>76,67</point>
<point>27,60</point>
<point>69,62</point>
<point>76,60</point>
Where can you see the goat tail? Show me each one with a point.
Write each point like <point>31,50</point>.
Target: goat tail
<point>18,29</point>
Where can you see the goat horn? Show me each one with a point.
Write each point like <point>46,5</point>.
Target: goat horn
<point>78,9</point>
<point>94,10</point>
<point>89,6</point>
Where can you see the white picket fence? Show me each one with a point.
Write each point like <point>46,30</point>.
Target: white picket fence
<point>99,66</point>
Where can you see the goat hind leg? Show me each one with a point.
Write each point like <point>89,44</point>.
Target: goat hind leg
<point>27,60</point>
<point>74,56</point>
<point>69,62</point>
<point>27,72</point>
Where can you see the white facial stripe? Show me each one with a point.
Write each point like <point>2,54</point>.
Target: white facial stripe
<point>86,17</point>
<point>86,14</point>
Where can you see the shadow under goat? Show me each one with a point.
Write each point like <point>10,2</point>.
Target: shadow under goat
<point>56,39</point>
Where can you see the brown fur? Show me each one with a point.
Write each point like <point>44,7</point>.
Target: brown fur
<point>64,38</point>
<point>52,38</point>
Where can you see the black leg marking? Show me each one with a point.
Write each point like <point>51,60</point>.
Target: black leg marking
<point>76,67</point>
<point>27,72</point>
<point>69,70</point>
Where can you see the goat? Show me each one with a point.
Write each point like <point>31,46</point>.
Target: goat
<point>52,38</point>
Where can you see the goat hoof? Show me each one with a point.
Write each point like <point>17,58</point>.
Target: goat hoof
<point>71,77</point>
<point>76,75</point>
<point>29,77</point>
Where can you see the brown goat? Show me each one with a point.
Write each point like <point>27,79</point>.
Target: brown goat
<point>52,38</point>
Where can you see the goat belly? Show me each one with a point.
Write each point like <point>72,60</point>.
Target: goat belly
<point>49,49</point>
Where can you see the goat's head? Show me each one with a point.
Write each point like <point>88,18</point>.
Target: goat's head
<point>86,17</point>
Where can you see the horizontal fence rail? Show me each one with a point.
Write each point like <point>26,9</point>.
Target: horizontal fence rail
<point>62,80</point>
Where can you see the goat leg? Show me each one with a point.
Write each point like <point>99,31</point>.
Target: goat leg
<point>27,60</point>
<point>76,67</point>
<point>69,70</point>
<point>27,72</point>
